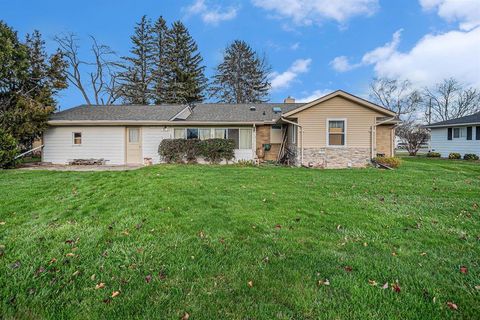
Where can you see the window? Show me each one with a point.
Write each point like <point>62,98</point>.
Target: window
<point>234,135</point>
<point>179,133</point>
<point>77,138</point>
<point>245,140</point>
<point>336,132</point>
<point>221,133</point>
<point>192,133</point>
<point>459,133</point>
<point>133,135</point>
<point>294,133</point>
<point>205,133</point>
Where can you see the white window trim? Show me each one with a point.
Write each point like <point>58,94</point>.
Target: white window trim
<point>461,129</point>
<point>344,134</point>
<point>73,139</point>
<point>294,134</point>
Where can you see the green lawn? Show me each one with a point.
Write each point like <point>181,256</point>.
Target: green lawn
<point>189,238</point>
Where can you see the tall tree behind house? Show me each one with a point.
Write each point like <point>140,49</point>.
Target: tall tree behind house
<point>186,81</point>
<point>159,67</point>
<point>136,78</point>
<point>242,76</point>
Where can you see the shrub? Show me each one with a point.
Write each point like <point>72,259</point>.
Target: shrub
<point>192,149</point>
<point>433,155</point>
<point>8,150</point>
<point>172,150</point>
<point>454,155</point>
<point>216,150</point>
<point>470,156</point>
<point>392,162</point>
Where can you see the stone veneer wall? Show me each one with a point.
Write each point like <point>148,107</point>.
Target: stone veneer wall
<point>335,157</point>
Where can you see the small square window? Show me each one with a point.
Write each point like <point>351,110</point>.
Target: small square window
<point>179,133</point>
<point>77,138</point>
<point>336,133</point>
<point>192,133</point>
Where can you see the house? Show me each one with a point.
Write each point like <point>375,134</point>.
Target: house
<point>336,130</point>
<point>460,135</point>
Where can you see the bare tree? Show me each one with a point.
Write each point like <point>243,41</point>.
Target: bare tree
<point>449,100</point>
<point>396,95</point>
<point>101,86</point>
<point>413,135</point>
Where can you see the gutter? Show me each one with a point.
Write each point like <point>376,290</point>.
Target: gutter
<point>451,125</point>
<point>301,136</point>
<point>153,123</point>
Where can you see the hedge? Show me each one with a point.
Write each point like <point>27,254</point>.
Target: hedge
<point>392,162</point>
<point>470,156</point>
<point>433,155</point>
<point>454,155</point>
<point>213,150</point>
<point>8,150</point>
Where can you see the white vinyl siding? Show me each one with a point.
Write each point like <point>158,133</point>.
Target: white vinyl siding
<point>96,142</point>
<point>152,136</point>
<point>440,143</point>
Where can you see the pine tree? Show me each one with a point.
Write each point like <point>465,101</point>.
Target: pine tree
<point>159,67</point>
<point>242,76</point>
<point>185,72</point>
<point>46,75</point>
<point>136,79</point>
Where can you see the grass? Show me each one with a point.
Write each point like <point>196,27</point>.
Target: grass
<point>175,239</point>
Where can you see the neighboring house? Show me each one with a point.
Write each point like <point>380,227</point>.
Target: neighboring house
<point>460,135</point>
<point>336,130</point>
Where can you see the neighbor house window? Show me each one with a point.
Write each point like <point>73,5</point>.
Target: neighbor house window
<point>179,133</point>
<point>205,133</point>
<point>245,139</point>
<point>192,133</point>
<point>221,133</point>
<point>77,138</point>
<point>336,132</point>
<point>459,133</point>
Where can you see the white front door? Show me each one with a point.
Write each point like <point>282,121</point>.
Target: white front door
<point>134,145</point>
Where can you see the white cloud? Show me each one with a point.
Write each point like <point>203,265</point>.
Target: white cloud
<point>314,95</point>
<point>433,58</point>
<point>295,46</point>
<point>284,79</point>
<point>466,12</point>
<point>307,12</point>
<point>342,64</point>
<point>211,15</point>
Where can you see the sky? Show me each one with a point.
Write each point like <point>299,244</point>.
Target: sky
<point>313,46</point>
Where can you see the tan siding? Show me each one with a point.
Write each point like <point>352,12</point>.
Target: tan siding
<point>359,122</point>
<point>385,135</point>
<point>263,137</point>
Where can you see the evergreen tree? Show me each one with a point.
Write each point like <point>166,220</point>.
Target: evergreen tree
<point>136,79</point>
<point>242,76</point>
<point>29,79</point>
<point>159,71</point>
<point>185,73</point>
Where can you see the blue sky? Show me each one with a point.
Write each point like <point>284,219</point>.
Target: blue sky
<point>313,46</point>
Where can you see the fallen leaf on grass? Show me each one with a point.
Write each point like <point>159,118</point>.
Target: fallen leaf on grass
<point>394,254</point>
<point>185,316</point>
<point>250,284</point>
<point>385,286</point>
<point>325,282</point>
<point>464,270</point>
<point>92,277</point>
<point>201,234</point>
<point>76,273</point>
<point>53,260</point>
<point>396,287</point>
<point>2,223</point>
<point>348,269</point>
<point>278,227</point>
<point>101,285</point>
<point>148,278</point>
<point>125,232</point>
<point>70,254</point>
<point>115,293</point>
<point>365,244</point>
<point>372,283</point>
<point>16,265</point>
<point>452,305</point>
<point>39,271</point>
<point>423,254</point>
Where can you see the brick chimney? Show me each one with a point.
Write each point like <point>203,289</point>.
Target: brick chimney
<point>289,100</point>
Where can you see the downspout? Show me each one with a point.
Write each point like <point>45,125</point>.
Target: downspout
<point>301,136</point>
<point>374,137</point>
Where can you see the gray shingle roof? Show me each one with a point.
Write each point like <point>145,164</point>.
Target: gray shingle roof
<point>211,112</point>
<point>473,118</point>
<point>123,112</point>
